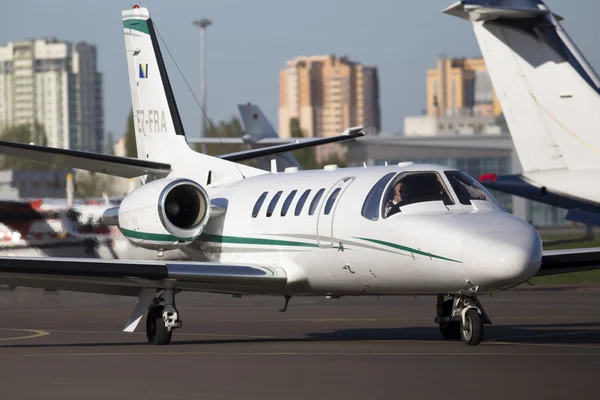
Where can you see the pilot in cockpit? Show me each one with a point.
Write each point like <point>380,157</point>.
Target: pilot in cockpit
<point>398,197</point>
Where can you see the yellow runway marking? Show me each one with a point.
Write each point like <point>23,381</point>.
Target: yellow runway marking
<point>35,334</point>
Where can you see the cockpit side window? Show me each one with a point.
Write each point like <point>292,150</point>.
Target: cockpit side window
<point>467,188</point>
<point>415,187</point>
<point>370,208</point>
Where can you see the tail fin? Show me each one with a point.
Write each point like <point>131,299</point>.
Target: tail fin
<point>158,129</point>
<point>549,94</point>
<point>257,126</point>
<point>155,113</point>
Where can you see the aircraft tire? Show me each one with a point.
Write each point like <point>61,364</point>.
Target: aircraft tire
<point>156,331</point>
<point>472,331</point>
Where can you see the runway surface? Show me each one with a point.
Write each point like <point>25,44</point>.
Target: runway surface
<point>545,343</point>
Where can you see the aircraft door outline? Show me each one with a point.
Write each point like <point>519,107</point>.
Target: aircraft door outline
<point>327,212</point>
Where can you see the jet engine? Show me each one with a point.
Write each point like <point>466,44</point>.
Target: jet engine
<point>164,214</point>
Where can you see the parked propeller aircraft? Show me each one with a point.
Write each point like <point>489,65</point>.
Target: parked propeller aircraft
<point>393,230</point>
<point>550,95</point>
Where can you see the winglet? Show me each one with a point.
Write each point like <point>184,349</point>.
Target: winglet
<point>353,130</point>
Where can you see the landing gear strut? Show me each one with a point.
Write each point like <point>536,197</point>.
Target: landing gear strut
<point>162,318</point>
<point>461,317</point>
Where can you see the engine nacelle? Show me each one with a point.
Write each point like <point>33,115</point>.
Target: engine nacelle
<point>164,214</point>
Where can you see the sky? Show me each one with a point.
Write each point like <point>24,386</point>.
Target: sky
<point>250,41</point>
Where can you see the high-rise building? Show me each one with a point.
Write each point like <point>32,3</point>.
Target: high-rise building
<point>460,101</point>
<point>461,87</point>
<point>57,85</point>
<point>328,94</point>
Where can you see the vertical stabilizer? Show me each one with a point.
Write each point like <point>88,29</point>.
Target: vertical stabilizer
<point>549,94</point>
<point>158,129</point>
<point>155,113</point>
<point>257,126</point>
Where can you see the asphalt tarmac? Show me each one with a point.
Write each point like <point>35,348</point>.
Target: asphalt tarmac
<point>544,343</point>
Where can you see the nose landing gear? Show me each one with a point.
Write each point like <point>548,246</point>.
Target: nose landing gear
<point>461,317</point>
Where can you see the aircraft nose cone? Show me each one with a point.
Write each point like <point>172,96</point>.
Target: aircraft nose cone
<point>502,259</point>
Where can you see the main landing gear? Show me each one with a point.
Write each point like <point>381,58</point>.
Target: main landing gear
<point>162,318</point>
<point>461,317</point>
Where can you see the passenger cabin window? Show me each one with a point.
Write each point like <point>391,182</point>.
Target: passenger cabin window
<point>301,202</point>
<point>331,200</point>
<point>315,201</point>
<point>259,204</point>
<point>370,208</point>
<point>414,187</point>
<point>273,203</point>
<point>467,188</point>
<point>288,202</point>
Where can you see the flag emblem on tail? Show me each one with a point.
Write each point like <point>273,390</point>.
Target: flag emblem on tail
<point>143,70</point>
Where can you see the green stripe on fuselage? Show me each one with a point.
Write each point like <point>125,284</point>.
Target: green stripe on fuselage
<point>157,237</point>
<point>140,25</point>
<point>409,249</point>
<point>247,240</point>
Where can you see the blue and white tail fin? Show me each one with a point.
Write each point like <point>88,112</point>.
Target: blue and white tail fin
<point>549,93</point>
<point>159,132</point>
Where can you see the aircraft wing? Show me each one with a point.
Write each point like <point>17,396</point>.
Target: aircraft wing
<point>350,133</point>
<point>124,167</point>
<point>129,277</point>
<point>571,260</point>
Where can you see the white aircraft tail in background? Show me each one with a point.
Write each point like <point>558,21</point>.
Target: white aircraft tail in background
<point>550,96</point>
<point>256,125</point>
<point>549,93</point>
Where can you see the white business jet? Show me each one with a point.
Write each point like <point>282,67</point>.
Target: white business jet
<point>393,230</point>
<point>550,96</point>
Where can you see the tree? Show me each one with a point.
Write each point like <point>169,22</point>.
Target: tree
<point>230,129</point>
<point>306,157</point>
<point>130,144</point>
<point>25,134</point>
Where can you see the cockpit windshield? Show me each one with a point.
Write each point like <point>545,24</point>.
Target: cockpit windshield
<point>467,188</point>
<point>414,187</point>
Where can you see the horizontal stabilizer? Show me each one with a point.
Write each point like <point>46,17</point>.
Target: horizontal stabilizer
<point>571,260</point>
<point>519,185</point>
<point>350,133</point>
<point>584,217</point>
<point>485,10</point>
<point>124,167</point>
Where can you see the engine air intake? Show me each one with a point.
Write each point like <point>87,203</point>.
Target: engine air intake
<point>183,206</point>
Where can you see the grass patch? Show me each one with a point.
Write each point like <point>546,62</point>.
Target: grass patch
<point>574,278</point>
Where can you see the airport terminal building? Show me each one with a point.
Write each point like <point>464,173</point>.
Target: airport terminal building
<point>474,154</point>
